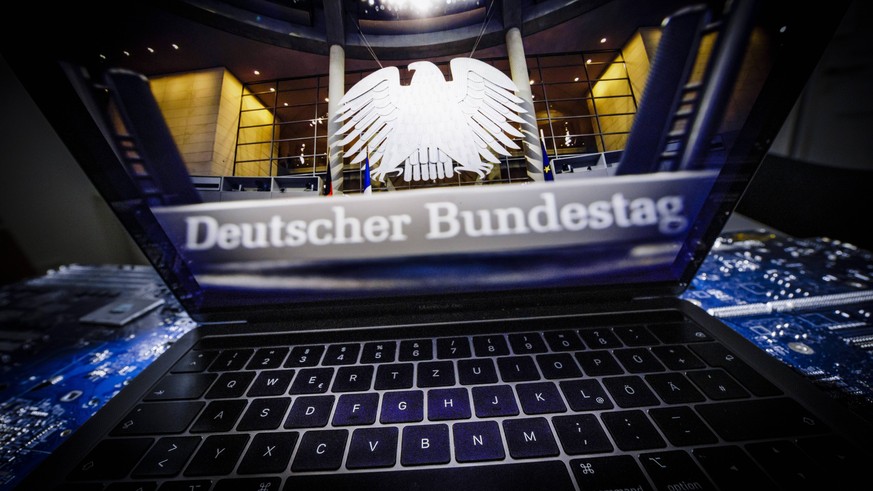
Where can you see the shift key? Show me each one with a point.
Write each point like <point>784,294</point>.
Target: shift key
<point>760,418</point>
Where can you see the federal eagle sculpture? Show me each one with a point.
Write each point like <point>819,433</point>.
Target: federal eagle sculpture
<point>431,128</point>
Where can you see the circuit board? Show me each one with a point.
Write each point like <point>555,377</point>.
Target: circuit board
<point>807,302</point>
<point>69,341</point>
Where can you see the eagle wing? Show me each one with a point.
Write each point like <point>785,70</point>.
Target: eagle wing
<point>368,114</point>
<point>487,98</point>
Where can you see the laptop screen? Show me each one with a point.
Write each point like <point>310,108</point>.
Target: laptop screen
<point>448,178</point>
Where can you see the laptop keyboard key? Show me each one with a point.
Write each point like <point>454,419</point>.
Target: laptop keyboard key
<point>761,418</point>
<point>194,361</point>
<point>167,457</point>
<point>598,363</point>
<point>674,388</point>
<point>632,430</point>
<point>564,341</point>
<point>529,438</point>
<point>312,381</point>
<point>445,404</point>
<point>234,359</point>
<point>217,455</point>
<point>494,400</point>
<point>356,409</point>
<point>372,448</point>
<point>717,384</point>
<point>517,369</point>
<point>425,444</point>
<point>682,426</point>
<point>558,365</point>
<point>230,385</point>
<point>618,472</point>
<point>405,406</point>
<point>630,391</point>
<point>416,350</point>
<point>394,376</point>
<point>353,379</point>
<point>271,383</point>
<point>436,374</point>
<point>267,358</point>
<point>219,416</point>
<point>264,414</point>
<point>304,356</point>
<point>494,345</point>
<point>158,418</point>
<point>181,386</point>
<point>452,348</point>
<point>527,343</point>
<point>111,459</point>
<point>246,484</point>
<point>731,468</point>
<point>269,452</point>
<point>789,466</point>
<point>581,434</point>
<point>674,470</point>
<point>677,357</point>
<point>716,355</point>
<point>477,441</point>
<point>379,352</point>
<point>476,371</point>
<point>635,336</point>
<point>638,360</point>
<point>600,338</point>
<point>310,412</point>
<point>540,398</point>
<point>585,395</point>
<point>341,354</point>
<point>320,450</point>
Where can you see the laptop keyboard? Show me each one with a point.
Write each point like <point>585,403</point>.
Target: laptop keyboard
<point>621,407</point>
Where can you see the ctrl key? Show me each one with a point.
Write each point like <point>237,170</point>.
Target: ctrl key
<point>111,459</point>
<point>619,472</point>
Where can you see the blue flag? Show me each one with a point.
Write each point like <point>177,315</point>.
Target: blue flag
<point>368,188</point>
<point>548,172</point>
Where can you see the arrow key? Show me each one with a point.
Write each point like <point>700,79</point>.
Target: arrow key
<point>167,457</point>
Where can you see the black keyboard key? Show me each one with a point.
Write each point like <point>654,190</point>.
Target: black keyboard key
<point>517,369</point>
<point>529,438</point>
<point>558,365</point>
<point>638,360</point>
<point>405,406</point>
<point>478,441</point>
<point>477,371</point>
<point>632,430</point>
<point>494,400</point>
<point>217,455</point>
<point>618,472</point>
<point>731,468</point>
<point>416,350</point>
<point>353,379</point>
<point>312,381</point>
<point>682,426</point>
<point>158,418</point>
<point>320,450</point>
<point>789,466</point>
<point>535,476</point>
<point>264,414</point>
<point>167,457</point>
<point>425,444</point>
<point>436,374</point>
<point>717,355</point>
<point>271,383</point>
<point>585,395</point>
<point>630,391</point>
<point>234,359</point>
<point>194,361</point>
<point>674,470</point>
<point>379,352</point>
<point>452,348</point>
<point>674,388</point>
<point>115,486</point>
<point>527,343</point>
<point>356,409</point>
<point>540,398</point>
<point>834,452</point>
<point>445,404</point>
<point>635,336</point>
<point>186,485</point>
<point>717,384</point>
<point>598,363</point>
<point>269,452</point>
<point>230,384</point>
<point>310,412</point>
<point>677,357</point>
<point>341,354</point>
<point>181,386</point>
<point>373,448</point>
<point>111,459</point>
<point>564,341</point>
<point>599,338</point>
<point>247,484</point>
<point>761,418</point>
<point>581,434</point>
<point>394,376</point>
<point>304,356</point>
<point>267,359</point>
<point>219,416</point>
<point>490,345</point>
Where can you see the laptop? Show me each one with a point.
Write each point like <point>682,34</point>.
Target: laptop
<point>523,335</point>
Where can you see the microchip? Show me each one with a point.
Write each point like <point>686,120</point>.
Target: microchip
<point>121,311</point>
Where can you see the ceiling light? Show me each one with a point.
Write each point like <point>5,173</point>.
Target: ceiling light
<point>576,79</point>
<point>602,40</point>
<point>175,46</point>
<point>150,50</point>
<point>256,72</point>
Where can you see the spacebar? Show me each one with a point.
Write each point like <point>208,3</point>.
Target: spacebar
<point>532,476</point>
